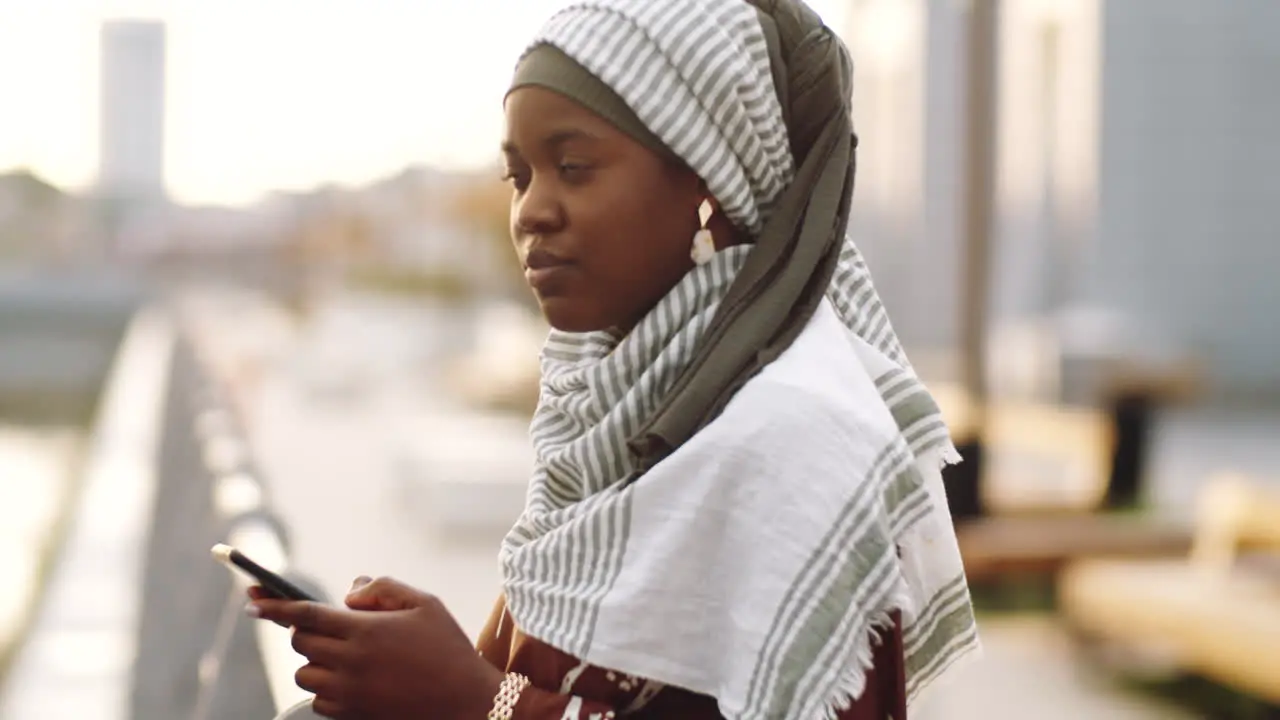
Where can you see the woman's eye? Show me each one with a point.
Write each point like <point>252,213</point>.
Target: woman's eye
<point>574,171</point>
<point>519,179</point>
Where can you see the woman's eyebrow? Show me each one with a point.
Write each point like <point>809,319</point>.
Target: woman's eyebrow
<point>553,140</point>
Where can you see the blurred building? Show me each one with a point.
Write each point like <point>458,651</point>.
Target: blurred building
<point>131,161</point>
<point>1135,195</point>
<point>131,180</point>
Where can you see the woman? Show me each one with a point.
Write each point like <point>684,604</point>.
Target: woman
<point>737,506</point>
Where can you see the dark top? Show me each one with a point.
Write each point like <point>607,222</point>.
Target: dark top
<point>563,688</point>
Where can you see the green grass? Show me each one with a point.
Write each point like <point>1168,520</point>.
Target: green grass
<point>1015,594</point>
<point>1204,697</point>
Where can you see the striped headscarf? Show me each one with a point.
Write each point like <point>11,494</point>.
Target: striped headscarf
<point>753,97</point>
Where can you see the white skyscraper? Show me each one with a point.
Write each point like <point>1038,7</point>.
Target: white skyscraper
<point>131,149</point>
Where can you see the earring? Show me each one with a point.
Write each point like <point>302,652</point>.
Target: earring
<point>704,245</point>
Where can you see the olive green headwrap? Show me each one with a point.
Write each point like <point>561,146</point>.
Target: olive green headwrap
<point>547,66</point>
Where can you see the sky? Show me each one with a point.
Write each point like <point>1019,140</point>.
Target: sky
<point>267,95</point>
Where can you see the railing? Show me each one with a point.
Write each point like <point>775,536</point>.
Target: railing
<point>240,503</point>
<point>77,658</point>
<point>136,620</point>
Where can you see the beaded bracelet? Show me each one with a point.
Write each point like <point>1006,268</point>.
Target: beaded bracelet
<point>504,703</point>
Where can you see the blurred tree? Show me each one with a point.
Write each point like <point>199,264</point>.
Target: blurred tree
<point>357,235</point>
<point>34,216</point>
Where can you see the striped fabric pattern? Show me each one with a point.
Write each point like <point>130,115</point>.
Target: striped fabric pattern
<point>697,74</point>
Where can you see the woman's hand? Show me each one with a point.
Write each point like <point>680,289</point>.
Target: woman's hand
<point>396,653</point>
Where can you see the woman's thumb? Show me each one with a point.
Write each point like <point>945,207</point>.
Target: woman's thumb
<point>381,594</point>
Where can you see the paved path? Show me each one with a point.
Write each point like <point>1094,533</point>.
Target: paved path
<point>1028,672</point>
<point>333,475</point>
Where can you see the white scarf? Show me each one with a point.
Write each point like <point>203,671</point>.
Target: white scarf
<point>755,562</point>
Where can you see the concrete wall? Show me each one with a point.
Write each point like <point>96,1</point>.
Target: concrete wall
<point>1188,223</point>
<point>1139,175</point>
<point>1137,172</point>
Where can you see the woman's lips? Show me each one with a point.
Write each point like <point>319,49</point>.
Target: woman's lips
<point>545,271</point>
<point>546,279</point>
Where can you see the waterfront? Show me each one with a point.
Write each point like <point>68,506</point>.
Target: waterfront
<point>37,478</point>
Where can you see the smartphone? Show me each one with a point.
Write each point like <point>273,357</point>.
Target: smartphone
<point>271,582</point>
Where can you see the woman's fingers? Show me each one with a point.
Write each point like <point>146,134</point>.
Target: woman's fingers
<point>316,679</point>
<point>321,650</point>
<point>306,616</point>
<point>329,700</point>
<point>324,707</point>
<point>257,592</point>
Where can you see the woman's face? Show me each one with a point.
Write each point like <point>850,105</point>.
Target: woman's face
<point>601,225</point>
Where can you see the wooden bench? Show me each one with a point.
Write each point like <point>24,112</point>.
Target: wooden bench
<point>1043,458</point>
<point>1044,477</point>
<point>1214,612</point>
<point>1042,545</point>
<point>1036,456</point>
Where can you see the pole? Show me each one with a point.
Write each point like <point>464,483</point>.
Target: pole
<point>964,493</point>
<point>979,199</point>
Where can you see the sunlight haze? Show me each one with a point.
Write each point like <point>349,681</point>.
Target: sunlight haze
<point>272,94</point>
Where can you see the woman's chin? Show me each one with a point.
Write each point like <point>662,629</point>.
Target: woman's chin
<point>571,315</point>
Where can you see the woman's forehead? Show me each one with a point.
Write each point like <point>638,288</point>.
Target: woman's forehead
<point>541,116</point>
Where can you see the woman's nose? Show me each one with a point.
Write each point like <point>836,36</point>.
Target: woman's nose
<point>539,209</point>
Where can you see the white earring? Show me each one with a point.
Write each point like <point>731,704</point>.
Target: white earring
<point>704,245</point>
